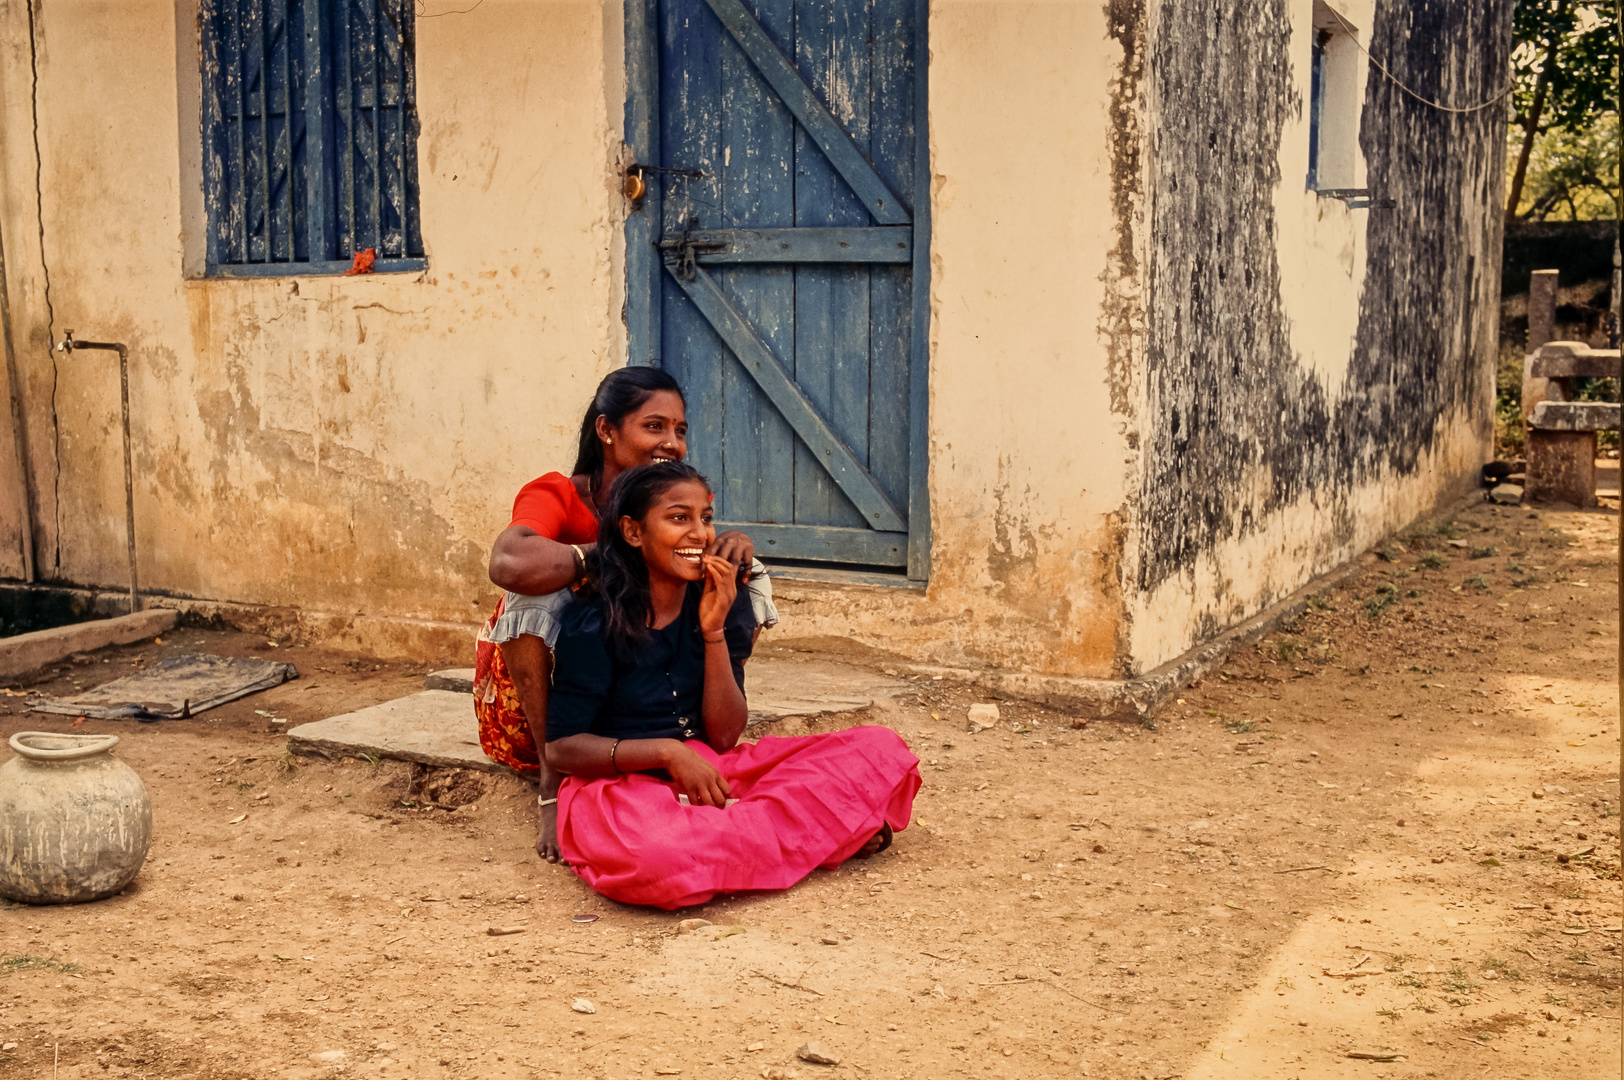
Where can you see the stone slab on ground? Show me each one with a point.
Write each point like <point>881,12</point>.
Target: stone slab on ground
<point>776,687</point>
<point>432,727</point>
<point>457,679</point>
<point>25,652</point>
<point>779,687</point>
<point>437,726</point>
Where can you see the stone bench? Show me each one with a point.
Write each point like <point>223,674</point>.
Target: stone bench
<point>1562,432</point>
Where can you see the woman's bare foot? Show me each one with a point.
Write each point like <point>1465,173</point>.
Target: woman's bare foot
<point>876,843</point>
<point>547,820</point>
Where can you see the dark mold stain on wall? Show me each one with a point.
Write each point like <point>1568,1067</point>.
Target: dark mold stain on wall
<point>1226,396</point>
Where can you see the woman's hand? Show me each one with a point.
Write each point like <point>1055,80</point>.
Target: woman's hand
<point>697,778</point>
<point>721,587</point>
<point>736,548</point>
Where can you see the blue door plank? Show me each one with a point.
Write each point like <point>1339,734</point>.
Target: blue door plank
<point>894,29</point>
<point>890,360</point>
<point>690,138</point>
<point>757,186</point>
<point>643,274</point>
<point>919,533</point>
<point>813,114</point>
<point>886,244</point>
<point>831,302</point>
<point>891,289</point>
<point>824,544</point>
<point>792,403</point>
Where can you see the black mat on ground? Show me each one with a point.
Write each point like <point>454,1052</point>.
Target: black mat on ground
<point>173,689</point>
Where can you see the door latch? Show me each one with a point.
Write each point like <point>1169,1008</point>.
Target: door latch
<point>681,253</point>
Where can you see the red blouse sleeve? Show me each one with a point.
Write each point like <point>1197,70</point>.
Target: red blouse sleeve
<point>553,508</point>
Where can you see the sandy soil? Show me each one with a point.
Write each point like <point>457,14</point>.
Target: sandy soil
<point>1390,829</point>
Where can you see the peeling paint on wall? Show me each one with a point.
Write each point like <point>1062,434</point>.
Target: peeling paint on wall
<point>1237,427</point>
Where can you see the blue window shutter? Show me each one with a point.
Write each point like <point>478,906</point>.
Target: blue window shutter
<point>310,133</point>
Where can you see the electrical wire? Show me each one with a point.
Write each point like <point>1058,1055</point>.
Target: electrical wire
<point>422,10</point>
<point>50,311</point>
<point>1394,79</point>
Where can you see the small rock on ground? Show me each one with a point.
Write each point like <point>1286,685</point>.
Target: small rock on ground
<point>815,1053</point>
<point>982,717</point>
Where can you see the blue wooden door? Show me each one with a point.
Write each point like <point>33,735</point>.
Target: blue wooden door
<point>777,262</point>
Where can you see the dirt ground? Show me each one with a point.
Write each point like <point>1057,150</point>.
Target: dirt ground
<point>1390,829</point>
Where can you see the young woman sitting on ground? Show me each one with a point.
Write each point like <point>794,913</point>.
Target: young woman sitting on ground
<point>661,803</point>
<point>636,416</point>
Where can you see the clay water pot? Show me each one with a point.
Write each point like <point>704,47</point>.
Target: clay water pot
<point>74,820</point>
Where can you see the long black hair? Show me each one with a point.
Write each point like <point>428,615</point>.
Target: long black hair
<point>621,393</point>
<point>617,572</point>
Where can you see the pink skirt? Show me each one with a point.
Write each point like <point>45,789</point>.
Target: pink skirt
<point>803,803</point>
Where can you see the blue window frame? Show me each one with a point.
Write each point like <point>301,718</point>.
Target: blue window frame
<point>1316,105</point>
<point>309,135</point>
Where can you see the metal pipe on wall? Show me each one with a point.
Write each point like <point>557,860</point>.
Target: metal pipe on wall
<point>25,501</point>
<point>68,345</point>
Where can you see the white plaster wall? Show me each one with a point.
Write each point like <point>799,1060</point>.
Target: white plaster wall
<point>1028,469</point>
<point>1322,242</point>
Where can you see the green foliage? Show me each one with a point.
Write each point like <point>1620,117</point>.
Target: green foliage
<point>1386,596</point>
<point>1572,45</point>
<point>1572,171</point>
<point>1565,67</point>
<point>1508,424</point>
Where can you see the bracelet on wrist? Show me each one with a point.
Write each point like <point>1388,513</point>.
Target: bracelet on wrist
<point>717,638</point>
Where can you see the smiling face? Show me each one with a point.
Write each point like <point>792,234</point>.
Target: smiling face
<point>675,532</point>
<point>657,430</point>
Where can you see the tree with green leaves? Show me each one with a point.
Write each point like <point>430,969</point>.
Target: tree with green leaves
<point>1565,63</point>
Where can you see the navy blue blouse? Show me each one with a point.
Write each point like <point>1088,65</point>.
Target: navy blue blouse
<point>656,692</point>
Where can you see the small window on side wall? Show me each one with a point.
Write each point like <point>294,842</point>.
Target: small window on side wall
<point>309,135</point>
<point>1333,102</point>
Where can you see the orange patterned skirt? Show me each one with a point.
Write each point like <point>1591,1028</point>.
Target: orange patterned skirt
<point>504,733</point>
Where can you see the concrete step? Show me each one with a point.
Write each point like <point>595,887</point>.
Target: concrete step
<point>437,727</point>
<point>457,679</point>
<point>25,652</point>
<point>432,727</point>
<point>776,687</point>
